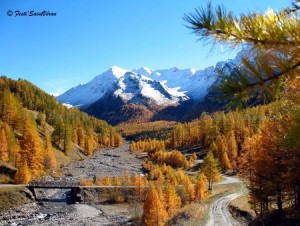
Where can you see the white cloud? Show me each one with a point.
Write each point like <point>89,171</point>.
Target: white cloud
<point>55,94</point>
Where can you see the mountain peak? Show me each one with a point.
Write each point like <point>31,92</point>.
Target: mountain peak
<point>174,81</point>
<point>147,82</point>
<point>143,71</point>
<point>174,69</point>
<point>118,71</point>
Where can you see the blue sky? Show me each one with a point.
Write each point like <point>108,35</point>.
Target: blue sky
<point>87,37</point>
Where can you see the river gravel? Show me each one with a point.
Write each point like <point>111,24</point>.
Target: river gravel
<point>56,211</point>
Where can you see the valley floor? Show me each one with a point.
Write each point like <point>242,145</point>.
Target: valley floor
<point>56,211</point>
<point>106,162</point>
<point>109,162</point>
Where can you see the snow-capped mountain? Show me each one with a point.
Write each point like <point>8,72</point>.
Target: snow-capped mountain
<point>174,82</point>
<point>83,95</point>
<point>194,83</point>
<point>128,85</point>
<point>135,98</point>
<point>145,89</point>
<point>136,88</point>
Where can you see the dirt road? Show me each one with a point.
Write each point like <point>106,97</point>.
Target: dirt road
<point>219,214</point>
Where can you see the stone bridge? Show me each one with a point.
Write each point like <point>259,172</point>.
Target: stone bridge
<point>80,193</point>
<point>75,194</point>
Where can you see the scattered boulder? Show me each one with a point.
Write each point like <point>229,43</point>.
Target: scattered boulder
<point>7,172</point>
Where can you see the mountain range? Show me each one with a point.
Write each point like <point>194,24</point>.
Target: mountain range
<point>120,95</point>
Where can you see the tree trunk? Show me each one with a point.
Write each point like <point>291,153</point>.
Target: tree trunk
<point>210,183</point>
<point>297,194</point>
<point>279,201</point>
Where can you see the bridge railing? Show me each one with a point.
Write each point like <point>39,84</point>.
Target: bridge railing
<point>53,184</point>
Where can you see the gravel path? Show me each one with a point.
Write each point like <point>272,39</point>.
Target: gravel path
<point>229,180</point>
<point>219,214</point>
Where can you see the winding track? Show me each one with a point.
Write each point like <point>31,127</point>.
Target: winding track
<point>219,214</point>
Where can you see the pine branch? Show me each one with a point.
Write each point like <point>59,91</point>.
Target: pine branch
<point>275,37</point>
<point>292,10</point>
<point>240,88</point>
<point>274,76</point>
<point>256,41</point>
<point>224,27</point>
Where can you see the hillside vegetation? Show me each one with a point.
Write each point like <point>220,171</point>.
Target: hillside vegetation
<point>268,154</point>
<point>32,123</point>
<point>138,131</point>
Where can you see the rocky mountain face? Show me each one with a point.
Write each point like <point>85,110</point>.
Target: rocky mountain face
<point>139,95</point>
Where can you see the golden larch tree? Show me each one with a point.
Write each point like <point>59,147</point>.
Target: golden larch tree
<point>154,212</point>
<point>210,169</point>
<point>116,181</point>
<point>107,181</point>
<point>225,162</point>
<point>232,146</point>
<point>23,175</point>
<point>172,200</point>
<point>4,149</point>
<point>200,188</point>
<point>50,160</point>
<point>139,183</point>
<point>31,145</point>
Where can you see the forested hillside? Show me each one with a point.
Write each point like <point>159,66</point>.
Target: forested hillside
<point>33,123</point>
<point>267,155</point>
<point>259,143</point>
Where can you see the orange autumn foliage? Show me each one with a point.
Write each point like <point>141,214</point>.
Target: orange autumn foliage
<point>154,212</point>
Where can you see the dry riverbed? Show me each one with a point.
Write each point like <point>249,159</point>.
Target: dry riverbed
<point>107,162</point>
<point>56,211</point>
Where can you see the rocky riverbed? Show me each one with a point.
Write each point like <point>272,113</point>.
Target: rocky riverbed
<point>107,162</point>
<point>56,211</point>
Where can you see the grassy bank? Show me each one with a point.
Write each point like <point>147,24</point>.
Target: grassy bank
<point>13,197</point>
<point>240,208</point>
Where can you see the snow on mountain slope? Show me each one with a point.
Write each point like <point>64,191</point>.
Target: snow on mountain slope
<point>143,70</point>
<point>86,94</point>
<point>194,83</point>
<point>136,88</point>
<point>176,82</point>
<point>164,87</point>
